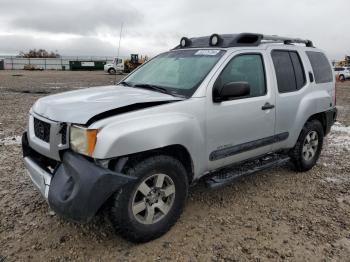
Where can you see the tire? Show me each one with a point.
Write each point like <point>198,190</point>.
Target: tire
<point>139,227</point>
<point>112,71</point>
<point>342,78</point>
<point>301,154</point>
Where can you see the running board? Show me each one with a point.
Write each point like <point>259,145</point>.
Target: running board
<point>229,175</point>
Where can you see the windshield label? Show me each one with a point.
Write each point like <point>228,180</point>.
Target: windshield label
<point>207,52</point>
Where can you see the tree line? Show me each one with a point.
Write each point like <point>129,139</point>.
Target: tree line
<point>39,53</point>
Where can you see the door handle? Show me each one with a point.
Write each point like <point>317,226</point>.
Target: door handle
<point>267,106</point>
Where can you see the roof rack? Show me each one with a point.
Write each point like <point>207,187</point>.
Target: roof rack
<point>287,40</point>
<point>235,40</point>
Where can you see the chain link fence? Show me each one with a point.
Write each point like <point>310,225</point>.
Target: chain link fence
<point>62,63</point>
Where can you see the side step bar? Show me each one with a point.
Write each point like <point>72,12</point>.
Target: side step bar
<point>229,175</point>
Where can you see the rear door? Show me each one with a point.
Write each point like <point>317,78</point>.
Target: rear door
<point>291,87</point>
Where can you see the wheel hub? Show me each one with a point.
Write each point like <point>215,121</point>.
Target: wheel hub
<point>153,198</point>
<point>310,145</point>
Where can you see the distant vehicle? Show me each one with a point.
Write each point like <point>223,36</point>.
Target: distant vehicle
<point>342,72</point>
<point>212,109</point>
<point>133,63</point>
<point>116,67</point>
<point>125,66</point>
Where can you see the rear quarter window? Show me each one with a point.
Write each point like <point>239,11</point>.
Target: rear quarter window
<point>321,67</point>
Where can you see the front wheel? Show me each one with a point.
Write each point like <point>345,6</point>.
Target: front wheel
<point>112,71</point>
<point>148,208</point>
<point>308,147</point>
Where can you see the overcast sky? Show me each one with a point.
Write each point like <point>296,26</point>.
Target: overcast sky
<point>91,27</point>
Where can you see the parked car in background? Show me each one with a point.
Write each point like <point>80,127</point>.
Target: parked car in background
<point>342,73</point>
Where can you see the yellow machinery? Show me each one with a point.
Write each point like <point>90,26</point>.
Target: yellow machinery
<point>133,62</point>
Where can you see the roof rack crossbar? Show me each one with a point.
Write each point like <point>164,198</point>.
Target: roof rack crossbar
<point>287,40</point>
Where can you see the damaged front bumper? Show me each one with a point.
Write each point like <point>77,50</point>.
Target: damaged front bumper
<point>75,188</point>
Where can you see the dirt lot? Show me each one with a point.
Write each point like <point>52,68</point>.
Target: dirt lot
<point>271,216</point>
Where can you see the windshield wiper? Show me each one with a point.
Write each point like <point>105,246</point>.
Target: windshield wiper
<point>155,88</point>
<point>125,83</point>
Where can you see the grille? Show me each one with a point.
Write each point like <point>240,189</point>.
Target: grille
<point>42,130</point>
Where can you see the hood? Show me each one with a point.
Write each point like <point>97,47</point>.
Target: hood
<point>82,105</point>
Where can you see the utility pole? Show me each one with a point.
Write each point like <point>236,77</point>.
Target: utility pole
<point>120,38</point>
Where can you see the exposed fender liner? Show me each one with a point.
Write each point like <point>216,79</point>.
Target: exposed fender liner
<point>125,109</point>
<point>79,187</point>
<point>237,149</point>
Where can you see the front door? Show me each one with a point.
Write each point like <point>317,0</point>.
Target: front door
<point>243,127</point>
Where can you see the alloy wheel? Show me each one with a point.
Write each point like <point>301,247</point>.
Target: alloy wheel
<point>310,145</point>
<point>153,199</point>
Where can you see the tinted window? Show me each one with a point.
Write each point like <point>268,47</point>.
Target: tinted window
<point>284,71</point>
<point>321,67</point>
<point>338,69</point>
<point>245,68</point>
<point>298,70</point>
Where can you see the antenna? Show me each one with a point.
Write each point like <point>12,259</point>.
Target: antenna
<point>120,38</point>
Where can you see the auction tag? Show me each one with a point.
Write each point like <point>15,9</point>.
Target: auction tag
<point>207,52</point>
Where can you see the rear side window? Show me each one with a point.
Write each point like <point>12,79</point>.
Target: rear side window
<point>289,70</point>
<point>321,67</point>
<point>298,70</point>
<point>338,69</point>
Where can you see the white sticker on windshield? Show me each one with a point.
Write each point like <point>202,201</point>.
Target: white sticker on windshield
<point>207,52</point>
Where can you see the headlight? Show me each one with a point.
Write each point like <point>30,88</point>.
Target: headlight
<point>83,140</point>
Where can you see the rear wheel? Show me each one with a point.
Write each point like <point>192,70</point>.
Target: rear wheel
<point>308,147</point>
<point>342,78</point>
<point>148,208</point>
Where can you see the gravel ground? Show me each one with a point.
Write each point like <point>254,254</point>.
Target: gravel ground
<point>271,216</point>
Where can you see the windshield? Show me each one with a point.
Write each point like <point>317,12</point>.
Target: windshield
<point>178,72</point>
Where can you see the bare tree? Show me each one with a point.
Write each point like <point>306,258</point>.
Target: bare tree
<point>40,53</point>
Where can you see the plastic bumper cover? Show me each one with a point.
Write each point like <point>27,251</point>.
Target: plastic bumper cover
<point>77,188</point>
<point>39,176</point>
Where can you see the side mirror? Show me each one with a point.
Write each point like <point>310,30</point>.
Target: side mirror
<point>230,91</point>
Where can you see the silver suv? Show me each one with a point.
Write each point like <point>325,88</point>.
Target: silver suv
<point>212,109</point>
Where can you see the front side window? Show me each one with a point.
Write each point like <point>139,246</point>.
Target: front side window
<point>245,68</point>
<point>178,72</point>
<point>339,69</point>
